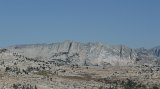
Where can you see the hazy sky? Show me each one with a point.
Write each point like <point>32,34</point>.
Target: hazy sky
<point>135,23</point>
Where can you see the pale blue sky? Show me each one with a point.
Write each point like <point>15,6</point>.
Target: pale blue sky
<point>135,23</point>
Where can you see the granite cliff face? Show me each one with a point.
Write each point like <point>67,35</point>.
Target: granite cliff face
<point>156,51</point>
<point>69,52</point>
<point>75,65</point>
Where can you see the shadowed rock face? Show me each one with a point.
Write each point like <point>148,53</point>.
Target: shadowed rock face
<point>69,52</point>
<point>156,51</point>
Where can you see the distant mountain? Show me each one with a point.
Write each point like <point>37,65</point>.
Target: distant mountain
<point>156,51</point>
<point>70,52</point>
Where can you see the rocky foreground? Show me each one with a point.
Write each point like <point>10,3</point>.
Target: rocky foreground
<point>74,65</point>
<point>75,77</point>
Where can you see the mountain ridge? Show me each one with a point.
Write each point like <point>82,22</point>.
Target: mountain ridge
<point>72,52</point>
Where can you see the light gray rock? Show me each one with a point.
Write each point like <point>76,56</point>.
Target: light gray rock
<point>87,53</point>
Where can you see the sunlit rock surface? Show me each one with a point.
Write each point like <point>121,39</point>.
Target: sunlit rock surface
<point>75,65</point>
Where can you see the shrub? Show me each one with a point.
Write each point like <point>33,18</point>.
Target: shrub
<point>43,72</point>
<point>155,87</point>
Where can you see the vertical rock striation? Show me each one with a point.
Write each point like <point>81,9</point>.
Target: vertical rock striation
<point>86,53</point>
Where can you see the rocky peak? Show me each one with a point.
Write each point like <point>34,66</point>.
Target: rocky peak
<point>156,51</point>
<point>82,53</point>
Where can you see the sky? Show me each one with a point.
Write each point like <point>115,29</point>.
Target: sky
<point>135,23</point>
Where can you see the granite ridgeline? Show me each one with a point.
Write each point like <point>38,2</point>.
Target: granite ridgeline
<point>75,65</point>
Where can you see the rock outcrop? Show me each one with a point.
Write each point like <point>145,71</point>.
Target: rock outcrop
<point>75,65</point>
<point>69,52</point>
